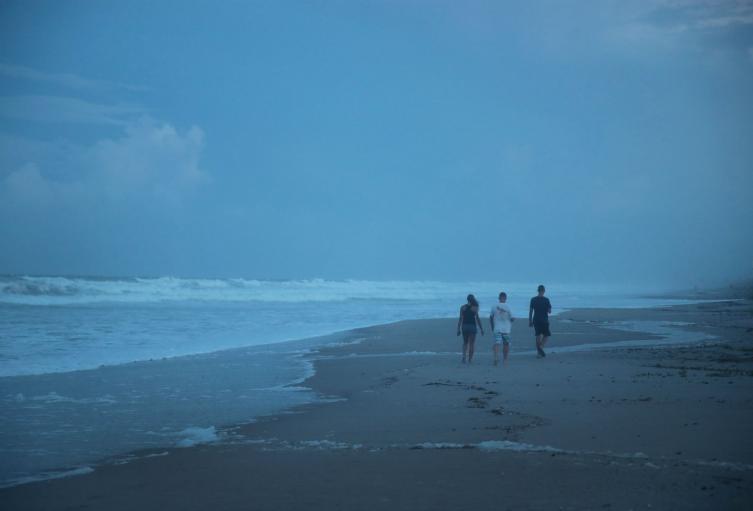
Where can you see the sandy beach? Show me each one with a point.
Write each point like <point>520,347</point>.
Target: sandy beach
<point>631,409</point>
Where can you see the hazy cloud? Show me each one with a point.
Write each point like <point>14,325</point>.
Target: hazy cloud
<point>27,184</point>
<point>151,158</point>
<point>151,161</point>
<point>666,20</point>
<point>68,80</point>
<point>66,110</point>
<point>706,14</point>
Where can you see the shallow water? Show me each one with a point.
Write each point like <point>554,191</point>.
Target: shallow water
<point>62,420</point>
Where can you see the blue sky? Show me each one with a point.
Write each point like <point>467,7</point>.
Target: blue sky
<point>560,141</point>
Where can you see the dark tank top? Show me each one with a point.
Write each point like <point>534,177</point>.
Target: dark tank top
<point>469,315</point>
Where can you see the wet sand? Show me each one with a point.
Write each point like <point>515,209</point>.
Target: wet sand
<point>627,426</point>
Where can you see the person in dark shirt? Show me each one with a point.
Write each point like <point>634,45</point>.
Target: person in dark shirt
<point>538,318</point>
<point>467,325</point>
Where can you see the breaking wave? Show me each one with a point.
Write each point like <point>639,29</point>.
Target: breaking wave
<point>31,290</point>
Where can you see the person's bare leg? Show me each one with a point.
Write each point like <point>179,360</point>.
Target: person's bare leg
<point>505,352</point>
<point>543,343</point>
<point>496,353</point>
<point>465,346</point>
<point>471,346</point>
<point>539,350</point>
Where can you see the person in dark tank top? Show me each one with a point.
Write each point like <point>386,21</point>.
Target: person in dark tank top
<point>538,318</point>
<point>467,323</point>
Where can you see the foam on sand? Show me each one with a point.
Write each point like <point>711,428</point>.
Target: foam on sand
<point>54,397</point>
<point>329,444</point>
<point>507,445</point>
<point>440,445</point>
<point>45,476</point>
<point>195,436</point>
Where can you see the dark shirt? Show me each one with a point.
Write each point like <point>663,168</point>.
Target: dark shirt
<point>541,307</point>
<point>469,315</point>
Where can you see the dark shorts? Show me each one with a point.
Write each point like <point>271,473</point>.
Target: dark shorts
<point>542,328</point>
<point>469,328</point>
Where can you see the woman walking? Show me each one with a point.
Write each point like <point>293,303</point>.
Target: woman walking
<point>467,325</point>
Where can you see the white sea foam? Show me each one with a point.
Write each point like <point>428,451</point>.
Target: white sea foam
<point>46,476</point>
<point>507,445</point>
<point>744,467</point>
<point>195,436</point>
<point>440,445</point>
<point>341,344</point>
<point>328,444</point>
<point>54,397</point>
<point>488,446</point>
<point>157,454</point>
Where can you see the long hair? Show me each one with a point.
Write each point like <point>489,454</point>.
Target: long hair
<point>472,301</point>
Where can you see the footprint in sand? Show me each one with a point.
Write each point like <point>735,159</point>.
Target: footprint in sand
<point>389,381</point>
<point>477,402</point>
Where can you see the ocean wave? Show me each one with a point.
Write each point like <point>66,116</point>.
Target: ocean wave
<point>33,290</point>
<point>40,289</point>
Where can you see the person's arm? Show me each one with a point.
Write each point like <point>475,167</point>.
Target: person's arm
<point>550,307</point>
<point>530,314</point>
<point>512,318</point>
<point>478,320</point>
<point>491,321</point>
<point>460,319</point>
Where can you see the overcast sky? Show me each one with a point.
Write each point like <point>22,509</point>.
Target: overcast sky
<point>589,141</point>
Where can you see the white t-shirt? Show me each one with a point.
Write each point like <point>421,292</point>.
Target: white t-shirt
<point>502,317</point>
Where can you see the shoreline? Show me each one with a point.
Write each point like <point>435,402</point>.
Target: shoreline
<point>357,373</point>
<point>166,318</point>
<point>309,340</point>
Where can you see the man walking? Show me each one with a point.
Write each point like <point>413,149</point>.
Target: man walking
<point>538,318</point>
<point>501,320</point>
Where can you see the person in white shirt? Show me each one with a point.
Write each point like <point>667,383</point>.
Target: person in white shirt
<point>501,320</point>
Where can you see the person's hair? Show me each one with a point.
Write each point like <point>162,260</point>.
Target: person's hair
<point>541,287</point>
<point>472,300</point>
<point>503,294</point>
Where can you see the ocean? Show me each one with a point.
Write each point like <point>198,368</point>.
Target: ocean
<point>96,368</point>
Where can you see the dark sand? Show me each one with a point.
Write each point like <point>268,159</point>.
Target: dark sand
<point>634,427</point>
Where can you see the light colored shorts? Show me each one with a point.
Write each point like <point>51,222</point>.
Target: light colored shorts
<point>500,338</point>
